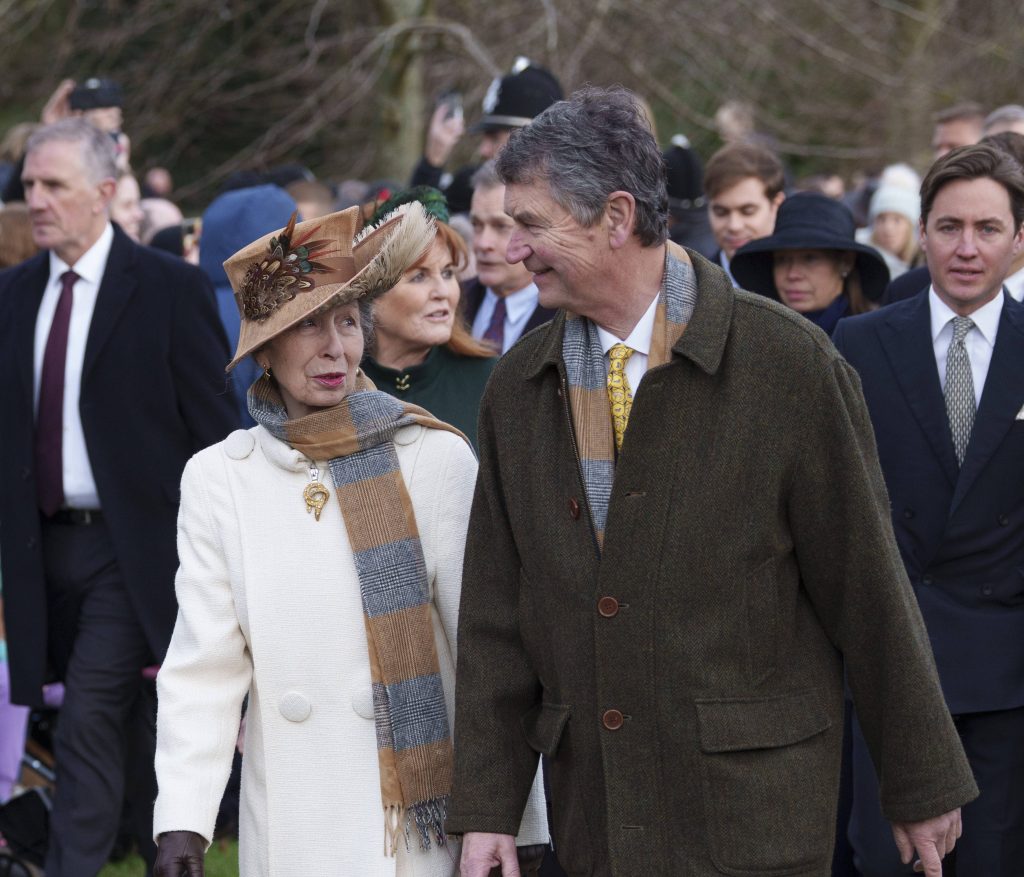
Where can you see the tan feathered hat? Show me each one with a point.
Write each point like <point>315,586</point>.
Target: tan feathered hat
<point>308,267</point>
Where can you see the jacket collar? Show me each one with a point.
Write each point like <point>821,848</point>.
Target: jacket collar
<point>280,453</point>
<point>703,342</point>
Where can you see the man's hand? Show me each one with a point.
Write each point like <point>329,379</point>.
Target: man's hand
<point>59,105</point>
<point>442,135</point>
<point>482,851</point>
<point>932,839</point>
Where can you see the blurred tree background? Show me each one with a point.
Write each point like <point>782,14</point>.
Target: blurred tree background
<point>213,86</point>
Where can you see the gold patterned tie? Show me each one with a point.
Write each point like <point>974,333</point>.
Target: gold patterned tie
<point>619,394</point>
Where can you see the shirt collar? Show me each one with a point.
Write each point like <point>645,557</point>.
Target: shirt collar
<point>520,303</point>
<point>1015,285</point>
<point>639,339</point>
<point>986,318</point>
<point>92,263</point>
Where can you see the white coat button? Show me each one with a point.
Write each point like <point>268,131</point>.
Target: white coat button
<point>408,434</point>
<point>295,707</point>
<point>239,444</point>
<point>362,700</point>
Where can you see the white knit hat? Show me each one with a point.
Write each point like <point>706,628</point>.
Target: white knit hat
<point>895,199</point>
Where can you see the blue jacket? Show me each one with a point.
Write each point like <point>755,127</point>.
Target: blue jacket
<point>234,220</point>
<point>960,530</point>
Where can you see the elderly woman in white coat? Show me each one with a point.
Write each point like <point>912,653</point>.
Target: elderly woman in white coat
<point>321,559</point>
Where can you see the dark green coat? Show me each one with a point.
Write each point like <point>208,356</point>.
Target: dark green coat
<point>748,549</point>
<point>448,385</point>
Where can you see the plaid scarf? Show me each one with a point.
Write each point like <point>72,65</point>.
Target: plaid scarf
<point>587,374</point>
<point>414,744</point>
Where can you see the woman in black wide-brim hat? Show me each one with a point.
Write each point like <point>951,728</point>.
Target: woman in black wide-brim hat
<point>812,263</point>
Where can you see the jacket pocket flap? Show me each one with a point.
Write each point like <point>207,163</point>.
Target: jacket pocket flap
<point>733,725</point>
<point>544,725</point>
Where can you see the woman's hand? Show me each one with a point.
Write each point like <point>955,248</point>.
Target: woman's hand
<point>180,852</point>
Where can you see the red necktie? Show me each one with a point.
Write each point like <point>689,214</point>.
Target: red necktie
<point>50,417</point>
<point>496,330</point>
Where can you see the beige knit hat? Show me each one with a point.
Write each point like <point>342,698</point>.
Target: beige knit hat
<point>308,267</point>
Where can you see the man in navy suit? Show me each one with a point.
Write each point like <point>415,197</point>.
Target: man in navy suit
<point>943,375</point>
<point>113,357</point>
<point>501,302</point>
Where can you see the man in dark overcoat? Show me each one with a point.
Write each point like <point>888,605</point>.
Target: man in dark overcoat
<point>114,358</point>
<point>680,535</point>
<point>942,376</point>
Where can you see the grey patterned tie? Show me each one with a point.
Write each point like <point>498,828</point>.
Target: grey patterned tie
<point>960,404</point>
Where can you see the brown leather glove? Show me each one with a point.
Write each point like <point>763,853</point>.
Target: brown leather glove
<point>180,852</point>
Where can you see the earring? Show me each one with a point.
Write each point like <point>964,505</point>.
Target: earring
<point>266,371</point>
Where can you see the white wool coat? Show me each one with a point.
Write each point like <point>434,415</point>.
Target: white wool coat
<point>269,606</point>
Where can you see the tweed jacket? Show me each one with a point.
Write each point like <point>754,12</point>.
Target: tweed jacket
<point>687,683</point>
<point>270,606</point>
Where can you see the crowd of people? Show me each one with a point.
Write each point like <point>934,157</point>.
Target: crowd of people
<point>587,510</point>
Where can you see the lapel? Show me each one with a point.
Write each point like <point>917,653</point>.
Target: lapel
<point>1001,397</point>
<point>472,295</point>
<point>27,292</point>
<point>116,289</point>
<point>539,317</point>
<point>906,338</point>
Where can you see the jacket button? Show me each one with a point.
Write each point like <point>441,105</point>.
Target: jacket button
<point>1003,521</point>
<point>987,590</point>
<point>927,580</point>
<point>295,707</point>
<point>908,513</point>
<point>25,473</point>
<point>608,607</point>
<point>31,543</point>
<point>612,720</point>
<point>574,508</point>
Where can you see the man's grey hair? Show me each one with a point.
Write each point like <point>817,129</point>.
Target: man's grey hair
<point>1004,115</point>
<point>99,155</point>
<point>486,176</point>
<point>585,148</point>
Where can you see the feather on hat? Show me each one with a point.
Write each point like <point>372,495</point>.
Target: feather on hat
<point>309,267</point>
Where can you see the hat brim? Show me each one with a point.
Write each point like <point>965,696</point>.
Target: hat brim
<point>490,124</point>
<point>752,265</point>
<point>381,255</point>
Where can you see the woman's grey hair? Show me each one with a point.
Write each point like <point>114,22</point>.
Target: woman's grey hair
<point>587,147</point>
<point>99,155</point>
<point>366,323</point>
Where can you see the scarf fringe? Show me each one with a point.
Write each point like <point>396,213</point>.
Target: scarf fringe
<point>429,817</point>
<point>393,818</point>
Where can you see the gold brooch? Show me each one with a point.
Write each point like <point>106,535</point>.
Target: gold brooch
<point>315,494</point>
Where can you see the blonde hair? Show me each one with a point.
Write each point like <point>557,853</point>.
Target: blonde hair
<point>906,253</point>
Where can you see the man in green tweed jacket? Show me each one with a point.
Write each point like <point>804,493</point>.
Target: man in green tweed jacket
<point>664,580</point>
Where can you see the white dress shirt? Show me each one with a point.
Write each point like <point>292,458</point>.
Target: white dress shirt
<point>79,485</point>
<point>1015,285</point>
<point>723,260</point>
<point>979,342</point>
<point>519,306</point>
<point>639,340</point>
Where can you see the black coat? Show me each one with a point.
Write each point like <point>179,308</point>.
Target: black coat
<point>907,285</point>
<point>153,393</point>
<point>960,531</point>
<point>473,292</point>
